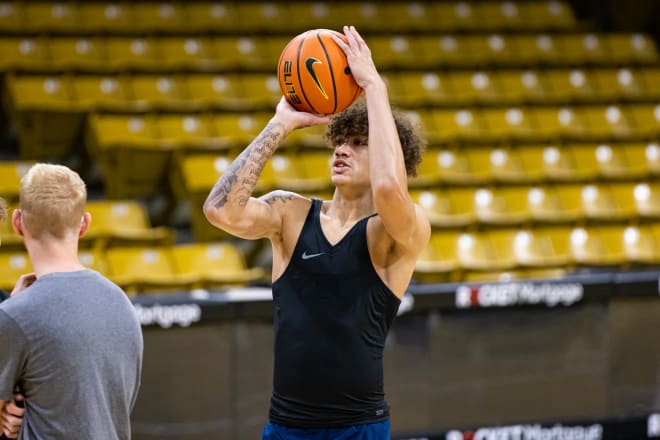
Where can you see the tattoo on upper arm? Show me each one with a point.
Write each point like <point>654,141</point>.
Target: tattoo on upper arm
<point>275,197</point>
<point>246,169</point>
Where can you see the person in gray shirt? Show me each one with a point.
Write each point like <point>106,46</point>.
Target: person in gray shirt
<point>69,338</point>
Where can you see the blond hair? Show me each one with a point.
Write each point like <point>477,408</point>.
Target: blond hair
<point>52,200</point>
<point>3,210</point>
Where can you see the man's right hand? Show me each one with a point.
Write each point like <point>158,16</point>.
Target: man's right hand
<point>11,417</point>
<point>23,283</point>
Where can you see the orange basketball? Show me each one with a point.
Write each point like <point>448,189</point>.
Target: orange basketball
<point>314,75</point>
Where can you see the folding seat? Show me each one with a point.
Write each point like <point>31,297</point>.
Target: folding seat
<point>185,132</point>
<point>542,247</point>
<point>646,119</point>
<point>608,203</point>
<point>446,208</point>
<point>502,16</point>
<point>236,131</point>
<point>641,245</point>
<point>537,50</point>
<point>625,48</point>
<point>559,123</point>
<point>139,269</point>
<point>523,86</point>
<point>548,15</point>
<point>507,166</point>
<point>188,53</point>
<point>501,206</point>
<point>555,204</point>
<point>651,79</point>
<point>447,166</point>
<point>133,163</point>
<point>242,52</point>
<point>45,114</point>
<point>261,17</point>
<point>574,85</point>
<point>472,88</point>
<point>11,173</point>
<point>76,53</point>
<point>220,91</point>
<point>422,88</point>
<point>556,163</point>
<point>161,17</point>
<point>498,50</point>
<point>439,258</point>
<point>106,18</point>
<point>581,48</point>
<point>446,126</point>
<point>214,265</point>
<point>93,259</point>
<point>13,264</point>
<point>585,167</point>
<point>619,84</point>
<point>646,197</point>
<point>400,16</point>
<point>260,91</point>
<point>51,17</point>
<point>395,51</point>
<point>12,17</point>
<point>598,246</point>
<point>530,158</point>
<point>101,93</point>
<point>477,252</point>
<point>301,172</point>
<point>621,161</point>
<point>651,156</point>
<point>508,125</point>
<point>122,223</point>
<point>442,51</point>
<point>159,93</point>
<point>456,16</point>
<point>308,138</point>
<point>204,17</point>
<point>608,123</point>
<point>134,54</point>
<point>24,53</point>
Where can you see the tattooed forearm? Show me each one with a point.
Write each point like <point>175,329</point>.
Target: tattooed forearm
<point>238,181</point>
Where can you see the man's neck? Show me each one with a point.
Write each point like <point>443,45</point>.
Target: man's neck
<point>49,256</point>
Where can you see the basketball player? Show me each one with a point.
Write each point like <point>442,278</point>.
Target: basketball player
<point>340,266</point>
<point>69,338</point>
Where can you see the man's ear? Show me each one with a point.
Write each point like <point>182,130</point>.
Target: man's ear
<point>84,224</point>
<point>16,222</point>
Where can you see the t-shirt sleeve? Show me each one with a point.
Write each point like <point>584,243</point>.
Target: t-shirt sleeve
<point>12,355</point>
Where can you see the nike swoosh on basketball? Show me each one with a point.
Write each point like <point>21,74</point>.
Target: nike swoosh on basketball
<point>309,64</point>
<point>306,256</point>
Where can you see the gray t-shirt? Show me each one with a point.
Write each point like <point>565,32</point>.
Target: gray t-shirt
<point>73,343</point>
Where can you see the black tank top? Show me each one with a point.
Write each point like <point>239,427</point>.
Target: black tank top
<point>332,315</point>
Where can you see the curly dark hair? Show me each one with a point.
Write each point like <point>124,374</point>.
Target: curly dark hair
<point>353,121</point>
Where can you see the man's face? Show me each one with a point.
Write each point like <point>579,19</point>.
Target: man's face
<point>350,161</point>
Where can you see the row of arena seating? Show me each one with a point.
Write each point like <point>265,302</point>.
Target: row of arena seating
<point>261,53</point>
<point>246,17</point>
<point>139,269</point>
<point>136,93</point>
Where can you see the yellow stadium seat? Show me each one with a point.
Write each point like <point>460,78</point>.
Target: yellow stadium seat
<point>134,54</point>
<point>133,162</point>
<point>621,161</point>
<point>477,252</point>
<point>471,88</point>
<point>581,48</point>
<point>11,172</point>
<point>542,247</point>
<point>646,119</point>
<point>538,50</point>
<point>608,203</point>
<point>236,131</point>
<point>211,16</point>
<point>121,223</point>
<point>394,51</point>
<point>555,204</point>
<point>446,207</point>
<point>13,264</point>
<point>646,197</point>
<point>530,159</point>
<point>93,259</point>
<point>651,79</point>
<point>185,132</point>
<point>439,258</point>
<point>140,269</point>
<point>106,18</point>
<point>598,246</point>
<point>507,166</point>
<point>101,93</point>
<point>502,206</point>
<point>584,166</point>
<point>456,16</point>
<point>422,88</point>
<point>620,84</point>
<point>221,91</point>
<point>214,265</point>
<point>550,15</point>
<point>523,86</point>
<point>161,17</point>
<point>651,156</point>
<point>502,16</point>
<point>447,165</point>
<point>632,48</point>
<point>12,17</point>
<point>23,53</point>
<point>159,93</point>
<point>264,16</point>
<point>641,245</point>
<point>574,85</point>
<point>608,123</point>
<point>260,91</point>
<point>508,124</point>
<point>45,114</point>
<point>51,17</point>
<point>308,138</point>
<point>446,126</point>
<point>76,53</point>
<point>301,172</point>
<point>400,16</point>
<point>242,52</point>
<point>498,50</point>
<point>442,51</point>
<point>554,123</point>
<point>189,53</point>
